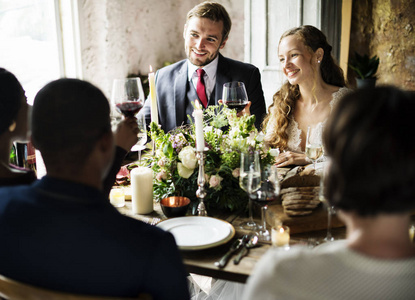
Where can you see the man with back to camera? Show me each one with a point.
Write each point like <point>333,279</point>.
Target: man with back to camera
<point>61,232</point>
<point>205,33</point>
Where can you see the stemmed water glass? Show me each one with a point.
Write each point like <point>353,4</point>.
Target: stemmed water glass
<point>266,194</point>
<point>127,99</point>
<point>330,209</point>
<point>234,95</point>
<point>142,135</point>
<point>250,181</point>
<point>314,145</point>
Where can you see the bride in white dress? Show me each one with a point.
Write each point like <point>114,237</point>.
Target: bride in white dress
<point>315,83</point>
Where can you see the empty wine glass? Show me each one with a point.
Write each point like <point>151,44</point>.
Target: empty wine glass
<point>142,135</point>
<point>314,144</point>
<point>250,181</point>
<point>330,209</point>
<point>234,95</point>
<point>266,194</point>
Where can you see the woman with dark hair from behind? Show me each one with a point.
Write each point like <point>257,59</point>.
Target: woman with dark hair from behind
<point>314,84</point>
<point>13,127</point>
<point>371,183</point>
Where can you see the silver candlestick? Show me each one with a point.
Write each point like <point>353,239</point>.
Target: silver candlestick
<point>201,193</point>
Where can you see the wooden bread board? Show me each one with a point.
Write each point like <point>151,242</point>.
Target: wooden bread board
<point>316,221</point>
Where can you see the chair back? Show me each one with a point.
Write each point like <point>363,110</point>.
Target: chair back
<point>14,290</point>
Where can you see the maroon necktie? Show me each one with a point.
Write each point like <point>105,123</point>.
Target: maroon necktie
<point>200,87</point>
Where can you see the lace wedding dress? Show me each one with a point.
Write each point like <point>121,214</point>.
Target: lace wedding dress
<point>294,132</point>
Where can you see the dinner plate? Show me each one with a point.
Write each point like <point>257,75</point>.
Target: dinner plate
<point>196,233</point>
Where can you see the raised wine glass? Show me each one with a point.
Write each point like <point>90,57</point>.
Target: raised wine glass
<point>127,99</point>
<point>234,95</point>
<point>314,145</point>
<point>267,194</point>
<point>330,209</point>
<point>250,181</point>
<point>142,136</point>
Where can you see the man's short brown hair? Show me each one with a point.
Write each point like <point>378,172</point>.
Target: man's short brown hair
<point>212,11</point>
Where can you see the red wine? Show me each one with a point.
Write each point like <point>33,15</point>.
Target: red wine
<point>130,108</point>
<point>238,106</point>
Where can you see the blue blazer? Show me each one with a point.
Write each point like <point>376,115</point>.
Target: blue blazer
<point>174,93</point>
<point>66,236</point>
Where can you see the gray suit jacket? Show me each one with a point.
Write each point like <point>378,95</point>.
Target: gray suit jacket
<point>175,93</point>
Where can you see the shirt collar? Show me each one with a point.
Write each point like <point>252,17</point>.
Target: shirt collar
<point>210,69</point>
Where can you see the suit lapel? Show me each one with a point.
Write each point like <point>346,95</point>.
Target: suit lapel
<point>180,85</point>
<point>222,77</point>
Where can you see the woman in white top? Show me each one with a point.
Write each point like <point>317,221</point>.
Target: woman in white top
<point>315,83</point>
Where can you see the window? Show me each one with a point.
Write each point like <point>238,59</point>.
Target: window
<point>28,42</point>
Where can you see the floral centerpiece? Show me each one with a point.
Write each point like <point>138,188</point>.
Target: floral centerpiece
<point>176,167</point>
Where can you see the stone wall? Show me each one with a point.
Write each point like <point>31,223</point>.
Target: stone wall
<point>119,38</point>
<point>386,28</point>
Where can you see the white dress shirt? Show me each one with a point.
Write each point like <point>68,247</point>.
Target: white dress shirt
<point>209,77</point>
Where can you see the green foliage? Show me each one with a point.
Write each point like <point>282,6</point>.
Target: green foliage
<point>226,136</point>
<point>364,66</point>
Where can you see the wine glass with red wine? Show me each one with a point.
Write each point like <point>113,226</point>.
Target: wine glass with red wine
<point>128,96</point>
<point>234,95</point>
<point>267,194</point>
<point>127,99</point>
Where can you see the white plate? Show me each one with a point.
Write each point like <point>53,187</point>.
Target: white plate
<point>196,233</point>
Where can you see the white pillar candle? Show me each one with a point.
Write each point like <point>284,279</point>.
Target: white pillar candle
<point>153,97</point>
<point>142,190</point>
<point>280,236</point>
<point>198,115</point>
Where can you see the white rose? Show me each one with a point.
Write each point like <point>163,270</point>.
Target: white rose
<point>214,181</point>
<point>188,157</point>
<point>183,171</point>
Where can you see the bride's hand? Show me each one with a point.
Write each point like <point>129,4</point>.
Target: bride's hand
<point>291,158</point>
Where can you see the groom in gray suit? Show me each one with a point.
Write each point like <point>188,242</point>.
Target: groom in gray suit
<point>178,85</point>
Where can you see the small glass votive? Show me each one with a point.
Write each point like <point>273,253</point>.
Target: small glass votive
<point>280,236</point>
<point>117,196</point>
<point>412,232</point>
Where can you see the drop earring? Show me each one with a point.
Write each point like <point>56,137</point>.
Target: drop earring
<point>12,126</point>
<point>318,61</point>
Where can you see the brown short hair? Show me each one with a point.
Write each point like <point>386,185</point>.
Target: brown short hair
<point>212,11</point>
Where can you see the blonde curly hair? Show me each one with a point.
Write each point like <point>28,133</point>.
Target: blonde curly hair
<point>281,110</point>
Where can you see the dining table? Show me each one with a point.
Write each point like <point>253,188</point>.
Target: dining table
<point>202,261</point>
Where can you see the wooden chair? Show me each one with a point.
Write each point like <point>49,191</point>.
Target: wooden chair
<point>14,290</point>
